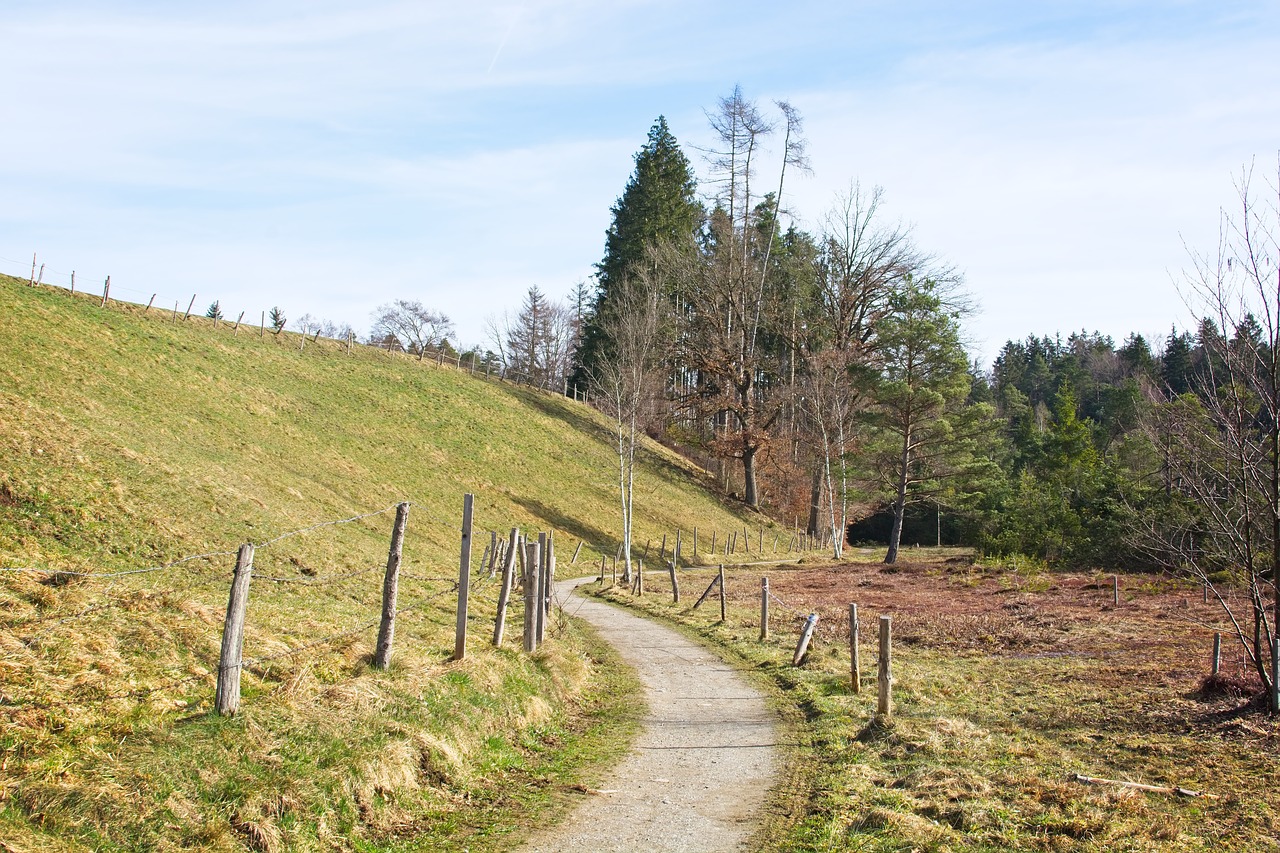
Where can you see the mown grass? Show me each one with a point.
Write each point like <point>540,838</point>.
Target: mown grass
<point>1007,684</point>
<point>130,441</point>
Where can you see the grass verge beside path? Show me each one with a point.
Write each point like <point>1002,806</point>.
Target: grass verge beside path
<point>133,438</point>
<point>1007,684</point>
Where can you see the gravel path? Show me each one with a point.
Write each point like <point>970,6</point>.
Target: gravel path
<point>704,759</point>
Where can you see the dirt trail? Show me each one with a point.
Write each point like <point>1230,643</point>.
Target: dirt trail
<point>704,760</point>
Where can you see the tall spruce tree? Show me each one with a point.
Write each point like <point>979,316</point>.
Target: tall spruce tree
<point>658,205</point>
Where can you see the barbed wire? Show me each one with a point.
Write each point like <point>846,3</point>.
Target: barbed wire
<point>106,575</point>
<point>293,652</point>
<point>318,580</point>
<point>312,527</point>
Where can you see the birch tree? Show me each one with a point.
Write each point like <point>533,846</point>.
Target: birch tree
<point>627,376</point>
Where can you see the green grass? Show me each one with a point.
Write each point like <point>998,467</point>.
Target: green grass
<point>130,441</point>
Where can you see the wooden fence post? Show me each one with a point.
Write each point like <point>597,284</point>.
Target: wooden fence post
<point>390,589</point>
<point>640,577</point>
<point>106,294</point>
<point>532,595</point>
<point>1216,661</point>
<point>675,583</point>
<point>504,592</point>
<point>1115,589</point>
<point>464,580</point>
<point>724,598</point>
<point>855,661</point>
<point>806,634</point>
<point>540,618</point>
<point>675,553</point>
<point>764,608</point>
<point>576,551</point>
<point>1275,675</point>
<point>706,592</point>
<point>695,542</point>
<point>548,586</point>
<point>884,703</point>
<point>189,304</point>
<point>227,695</point>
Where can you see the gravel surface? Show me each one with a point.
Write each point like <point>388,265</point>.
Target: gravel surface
<point>699,771</point>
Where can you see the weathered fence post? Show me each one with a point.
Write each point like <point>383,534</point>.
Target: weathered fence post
<point>855,661</point>
<point>1275,675</point>
<point>675,582</point>
<point>504,592</point>
<point>1216,662</point>
<point>695,542</point>
<point>640,577</point>
<point>464,580</point>
<point>806,634</point>
<point>1115,589</point>
<point>549,585</point>
<point>227,695</point>
<point>724,598</point>
<point>884,703</point>
<point>576,551</point>
<point>390,589</point>
<point>540,618</point>
<point>706,592</point>
<point>532,595</point>
<point>764,608</point>
<point>106,293</point>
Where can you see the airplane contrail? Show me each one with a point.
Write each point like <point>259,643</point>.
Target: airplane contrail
<point>514,19</point>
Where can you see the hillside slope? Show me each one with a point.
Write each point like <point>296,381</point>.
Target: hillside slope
<point>131,440</point>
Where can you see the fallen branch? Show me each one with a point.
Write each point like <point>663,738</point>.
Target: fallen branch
<point>1159,789</point>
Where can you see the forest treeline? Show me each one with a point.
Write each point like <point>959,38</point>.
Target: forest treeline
<point>823,374</point>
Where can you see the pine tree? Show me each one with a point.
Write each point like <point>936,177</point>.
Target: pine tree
<point>659,204</point>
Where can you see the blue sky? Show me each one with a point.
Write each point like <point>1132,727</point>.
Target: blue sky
<point>329,157</point>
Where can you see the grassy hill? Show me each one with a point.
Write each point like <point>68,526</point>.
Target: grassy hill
<point>132,440</point>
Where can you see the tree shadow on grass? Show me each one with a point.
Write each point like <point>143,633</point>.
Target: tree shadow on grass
<point>557,520</point>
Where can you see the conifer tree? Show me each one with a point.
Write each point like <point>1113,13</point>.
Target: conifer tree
<point>658,205</point>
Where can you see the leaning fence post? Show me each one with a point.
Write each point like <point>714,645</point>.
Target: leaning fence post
<point>855,661</point>
<point>724,598</point>
<point>464,580</point>
<point>675,582</point>
<point>764,608</point>
<point>884,704</point>
<point>390,589</point>
<point>504,594</point>
<point>227,695</point>
<point>805,636</point>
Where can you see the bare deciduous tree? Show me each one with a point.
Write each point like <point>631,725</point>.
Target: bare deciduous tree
<point>629,378</point>
<point>415,327</point>
<point>1222,441</point>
